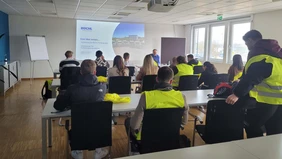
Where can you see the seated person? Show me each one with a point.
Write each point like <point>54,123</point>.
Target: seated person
<point>148,68</point>
<point>181,69</point>
<point>174,62</point>
<point>236,69</point>
<point>100,60</point>
<point>87,90</point>
<point>119,68</point>
<point>193,62</point>
<point>209,69</point>
<point>163,94</point>
<point>126,59</point>
<point>69,61</point>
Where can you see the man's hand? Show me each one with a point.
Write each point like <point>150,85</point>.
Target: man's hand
<point>232,99</point>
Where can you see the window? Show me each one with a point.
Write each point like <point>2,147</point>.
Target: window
<point>217,43</point>
<point>237,45</point>
<point>199,43</point>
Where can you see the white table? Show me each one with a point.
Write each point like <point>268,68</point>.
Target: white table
<point>55,73</point>
<point>216,151</point>
<point>57,83</point>
<point>268,147</point>
<point>193,98</point>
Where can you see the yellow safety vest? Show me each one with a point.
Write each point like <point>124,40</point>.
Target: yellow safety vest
<point>183,70</point>
<point>158,99</point>
<point>155,63</point>
<point>236,77</point>
<point>199,64</point>
<point>269,91</point>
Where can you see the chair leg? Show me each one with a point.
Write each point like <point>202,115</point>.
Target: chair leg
<point>110,152</point>
<point>60,122</point>
<point>129,144</point>
<point>194,131</point>
<point>67,146</point>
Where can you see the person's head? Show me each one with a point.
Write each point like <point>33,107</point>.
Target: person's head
<point>69,54</point>
<point>99,53</point>
<point>180,60</point>
<point>174,61</point>
<point>238,62</point>
<point>118,62</point>
<point>88,66</point>
<point>126,56</point>
<point>165,75</point>
<point>190,57</point>
<point>251,37</point>
<point>209,67</point>
<point>148,64</point>
<point>155,51</point>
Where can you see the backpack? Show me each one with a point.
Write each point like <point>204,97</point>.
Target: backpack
<point>223,90</point>
<point>47,88</point>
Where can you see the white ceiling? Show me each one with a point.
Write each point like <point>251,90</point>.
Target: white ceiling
<point>186,11</point>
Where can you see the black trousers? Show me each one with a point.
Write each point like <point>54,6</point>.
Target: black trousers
<point>263,116</point>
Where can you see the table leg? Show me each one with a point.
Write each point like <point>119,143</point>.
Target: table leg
<point>54,92</point>
<point>44,139</point>
<point>50,133</point>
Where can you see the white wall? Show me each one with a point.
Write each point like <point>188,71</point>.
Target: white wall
<point>269,24</point>
<point>60,36</point>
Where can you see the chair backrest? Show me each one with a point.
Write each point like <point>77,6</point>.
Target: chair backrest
<point>101,71</point>
<point>189,82</point>
<point>91,125</point>
<point>149,82</point>
<point>161,129</point>
<point>224,122</point>
<point>216,79</point>
<point>120,84</point>
<point>198,69</point>
<point>131,70</point>
<point>69,76</point>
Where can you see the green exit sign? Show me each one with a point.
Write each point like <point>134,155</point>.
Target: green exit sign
<point>219,17</point>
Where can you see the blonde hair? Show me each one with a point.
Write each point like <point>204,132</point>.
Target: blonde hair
<point>149,67</point>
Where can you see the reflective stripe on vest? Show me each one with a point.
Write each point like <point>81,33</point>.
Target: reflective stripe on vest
<point>269,91</point>
<point>162,99</point>
<point>236,77</point>
<point>183,69</point>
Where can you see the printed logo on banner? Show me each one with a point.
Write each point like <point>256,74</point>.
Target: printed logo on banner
<point>86,28</point>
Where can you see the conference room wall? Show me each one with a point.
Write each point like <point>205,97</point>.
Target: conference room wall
<point>269,24</point>
<point>60,36</point>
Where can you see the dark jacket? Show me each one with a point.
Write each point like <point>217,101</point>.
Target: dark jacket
<point>205,77</point>
<point>193,62</point>
<point>87,90</point>
<point>260,70</point>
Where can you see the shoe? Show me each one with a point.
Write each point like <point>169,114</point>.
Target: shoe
<point>77,154</point>
<point>101,153</point>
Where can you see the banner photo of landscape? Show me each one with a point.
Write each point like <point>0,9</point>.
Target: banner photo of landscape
<point>111,38</point>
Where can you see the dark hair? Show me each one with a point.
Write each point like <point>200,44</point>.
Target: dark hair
<point>88,66</point>
<point>180,59</point>
<point>238,62</point>
<point>190,56</point>
<point>126,55</point>
<point>252,34</point>
<point>165,74</point>
<point>210,67</point>
<point>118,62</point>
<point>68,54</point>
<point>99,53</point>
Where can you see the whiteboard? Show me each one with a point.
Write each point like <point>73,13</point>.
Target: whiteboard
<point>37,48</point>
